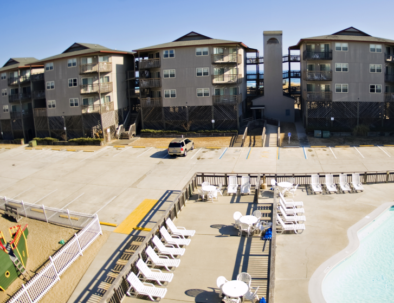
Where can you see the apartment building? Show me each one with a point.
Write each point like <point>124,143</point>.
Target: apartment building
<point>82,92</point>
<point>192,83</point>
<point>347,80</point>
<point>21,80</point>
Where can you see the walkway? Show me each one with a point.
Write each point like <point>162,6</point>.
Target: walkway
<point>271,136</point>
<point>301,133</point>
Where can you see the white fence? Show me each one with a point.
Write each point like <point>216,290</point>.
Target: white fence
<point>44,280</point>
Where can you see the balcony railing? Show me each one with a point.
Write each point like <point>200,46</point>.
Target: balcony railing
<point>318,96</point>
<point>24,79</point>
<point>225,79</point>
<point>293,58</point>
<point>37,77</point>
<point>97,108</point>
<point>389,57</point>
<point>13,98</point>
<point>149,63</point>
<point>389,97</point>
<point>389,77</point>
<point>38,94</point>
<point>318,76</point>
<point>312,55</point>
<point>40,112</point>
<point>107,107</point>
<point>227,99</point>
<point>254,60</point>
<point>150,82</point>
<point>95,88</point>
<point>15,115</point>
<point>131,74</point>
<point>103,67</point>
<point>25,96</point>
<point>13,80</point>
<point>226,58</point>
<point>151,102</point>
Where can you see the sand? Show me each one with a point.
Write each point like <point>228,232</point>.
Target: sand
<point>198,142</point>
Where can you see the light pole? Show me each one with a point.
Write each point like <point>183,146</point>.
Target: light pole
<point>65,128</point>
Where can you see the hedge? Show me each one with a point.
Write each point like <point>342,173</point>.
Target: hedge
<point>46,139</point>
<point>154,131</point>
<point>86,140</point>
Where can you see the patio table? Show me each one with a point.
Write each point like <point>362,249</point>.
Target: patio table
<point>285,186</point>
<point>209,188</point>
<point>235,289</point>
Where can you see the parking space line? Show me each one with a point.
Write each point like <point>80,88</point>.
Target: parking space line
<point>45,196</point>
<point>22,192</point>
<point>95,153</point>
<point>384,151</point>
<point>332,153</point>
<point>306,158</point>
<point>196,153</point>
<point>144,152</point>
<point>105,205</point>
<point>120,152</point>
<point>223,153</point>
<point>250,149</point>
<point>67,204</point>
<point>278,152</point>
<point>359,152</point>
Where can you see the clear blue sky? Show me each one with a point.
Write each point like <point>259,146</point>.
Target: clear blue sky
<point>42,28</point>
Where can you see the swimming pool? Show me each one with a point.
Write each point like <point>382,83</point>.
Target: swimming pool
<point>368,274</point>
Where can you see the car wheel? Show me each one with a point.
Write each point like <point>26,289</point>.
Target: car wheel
<point>185,153</point>
<point>193,147</point>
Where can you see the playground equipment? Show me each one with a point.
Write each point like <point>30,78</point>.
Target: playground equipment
<point>13,256</point>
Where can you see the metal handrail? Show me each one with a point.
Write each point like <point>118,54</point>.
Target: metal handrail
<point>317,76</point>
<point>318,96</point>
<point>95,67</point>
<point>225,99</point>
<point>226,58</point>
<point>226,78</point>
<point>94,88</point>
<point>314,55</point>
<point>151,102</point>
<point>149,63</point>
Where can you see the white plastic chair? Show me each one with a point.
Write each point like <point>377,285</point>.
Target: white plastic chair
<point>237,215</point>
<point>162,261</point>
<point>330,185</point>
<point>293,190</point>
<point>220,282</point>
<point>206,183</point>
<point>315,184</point>
<point>167,249</point>
<point>179,230</point>
<point>219,189</point>
<point>173,240</point>
<point>232,185</point>
<point>245,277</point>
<point>213,195</point>
<point>245,185</point>
<point>273,183</point>
<point>153,274</point>
<point>290,226</point>
<point>257,214</point>
<point>201,194</point>
<point>143,288</point>
<point>243,227</point>
<point>345,187</point>
<point>251,295</point>
<point>356,182</point>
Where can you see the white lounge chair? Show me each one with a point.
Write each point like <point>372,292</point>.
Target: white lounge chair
<point>287,218</point>
<point>179,230</point>
<point>232,185</point>
<point>153,274</point>
<point>330,185</point>
<point>293,190</point>
<point>237,215</point>
<point>356,182</point>
<point>291,210</point>
<point>143,288</point>
<point>220,282</point>
<point>315,184</point>
<point>251,295</point>
<point>290,226</point>
<point>173,240</point>
<point>245,185</point>
<point>162,261</point>
<point>343,183</point>
<point>290,202</point>
<point>167,249</point>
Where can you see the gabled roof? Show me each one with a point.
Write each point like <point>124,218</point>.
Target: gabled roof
<point>15,63</point>
<point>82,46</point>
<point>192,36</point>
<point>351,31</point>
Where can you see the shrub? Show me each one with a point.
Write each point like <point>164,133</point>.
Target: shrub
<point>46,139</point>
<point>163,131</point>
<point>360,130</point>
<point>84,141</point>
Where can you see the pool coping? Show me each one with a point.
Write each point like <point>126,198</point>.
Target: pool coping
<point>315,287</point>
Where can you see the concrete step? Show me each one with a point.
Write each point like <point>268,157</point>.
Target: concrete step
<point>272,140</point>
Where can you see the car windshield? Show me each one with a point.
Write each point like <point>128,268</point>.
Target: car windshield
<point>175,144</point>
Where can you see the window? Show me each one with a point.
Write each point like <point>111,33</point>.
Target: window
<point>202,92</point>
<point>4,92</point>
<point>74,102</point>
<point>202,71</point>
<point>170,93</point>
<point>342,47</point>
<point>3,76</point>
<point>104,59</point>
<point>72,82</point>
<point>169,73</point>
<point>202,51</point>
<point>105,99</point>
<point>72,62</point>
<point>341,67</point>
<point>14,91</point>
<point>375,48</point>
<point>375,88</point>
<point>5,108</point>
<point>51,104</point>
<point>341,88</point>
<point>49,66</point>
<point>51,85</point>
<point>169,53</point>
<point>375,68</point>
<point>104,79</point>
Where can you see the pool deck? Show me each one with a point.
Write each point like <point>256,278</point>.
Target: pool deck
<point>328,217</point>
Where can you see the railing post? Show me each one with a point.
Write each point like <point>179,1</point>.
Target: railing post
<point>69,219</point>
<point>387,176</point>
<point>365,177</point>
<point>225,180</point>
<point>24,208</point>
<point>53,264</point>
<point>202,178</point>
<point>27,293</point>
<point>79,245</point>
<point>45,214</point>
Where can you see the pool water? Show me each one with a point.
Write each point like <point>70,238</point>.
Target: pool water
<point>368,274</point>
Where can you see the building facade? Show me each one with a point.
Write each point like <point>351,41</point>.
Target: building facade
<point>347,80</point>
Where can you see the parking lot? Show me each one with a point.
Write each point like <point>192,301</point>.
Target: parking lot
<point>112,181</point>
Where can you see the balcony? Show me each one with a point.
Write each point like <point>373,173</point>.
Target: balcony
<point>102,67</point>
<point>150,82</point>
<point>389,97</point>
<point>40,112</point>
<point>15,115</point>
<point>24,79</point>
<point>149,63</point>
<point>226,58</point>
<point>318,76</point>
<point>227,99</point>
<point>389,57</point>
<point>13,81</point>
<point>389,78</point>
<point>25,96</point>
<point>37,77</point>
<point>318,96</point>
<point>13,98</point>
<point>38,94</point>
<point>151,102</point>
<point>225,79</point>
<point>96,88</point>
<point>312,55</point>
<point>97,108</point>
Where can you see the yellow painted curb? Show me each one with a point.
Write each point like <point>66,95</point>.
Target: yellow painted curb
<point>71,150</point>
<point>89,151</point>
<point>388,145</point>
<point>142,228</point>
<point>55,148</point>
<point>342,145</point>
<point>138,146</point>
<point>119,146</point>
<point>318,146</point>
<point>39,148</point>
<point>27,148</point>
<point>213,147</point>
<point>367,145</point>
<point>108,224</point>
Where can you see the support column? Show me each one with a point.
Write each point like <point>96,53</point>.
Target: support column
<point>32,103</point>
<point>20,103</point>
<point>358,113</point>
<point>213,117</point>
